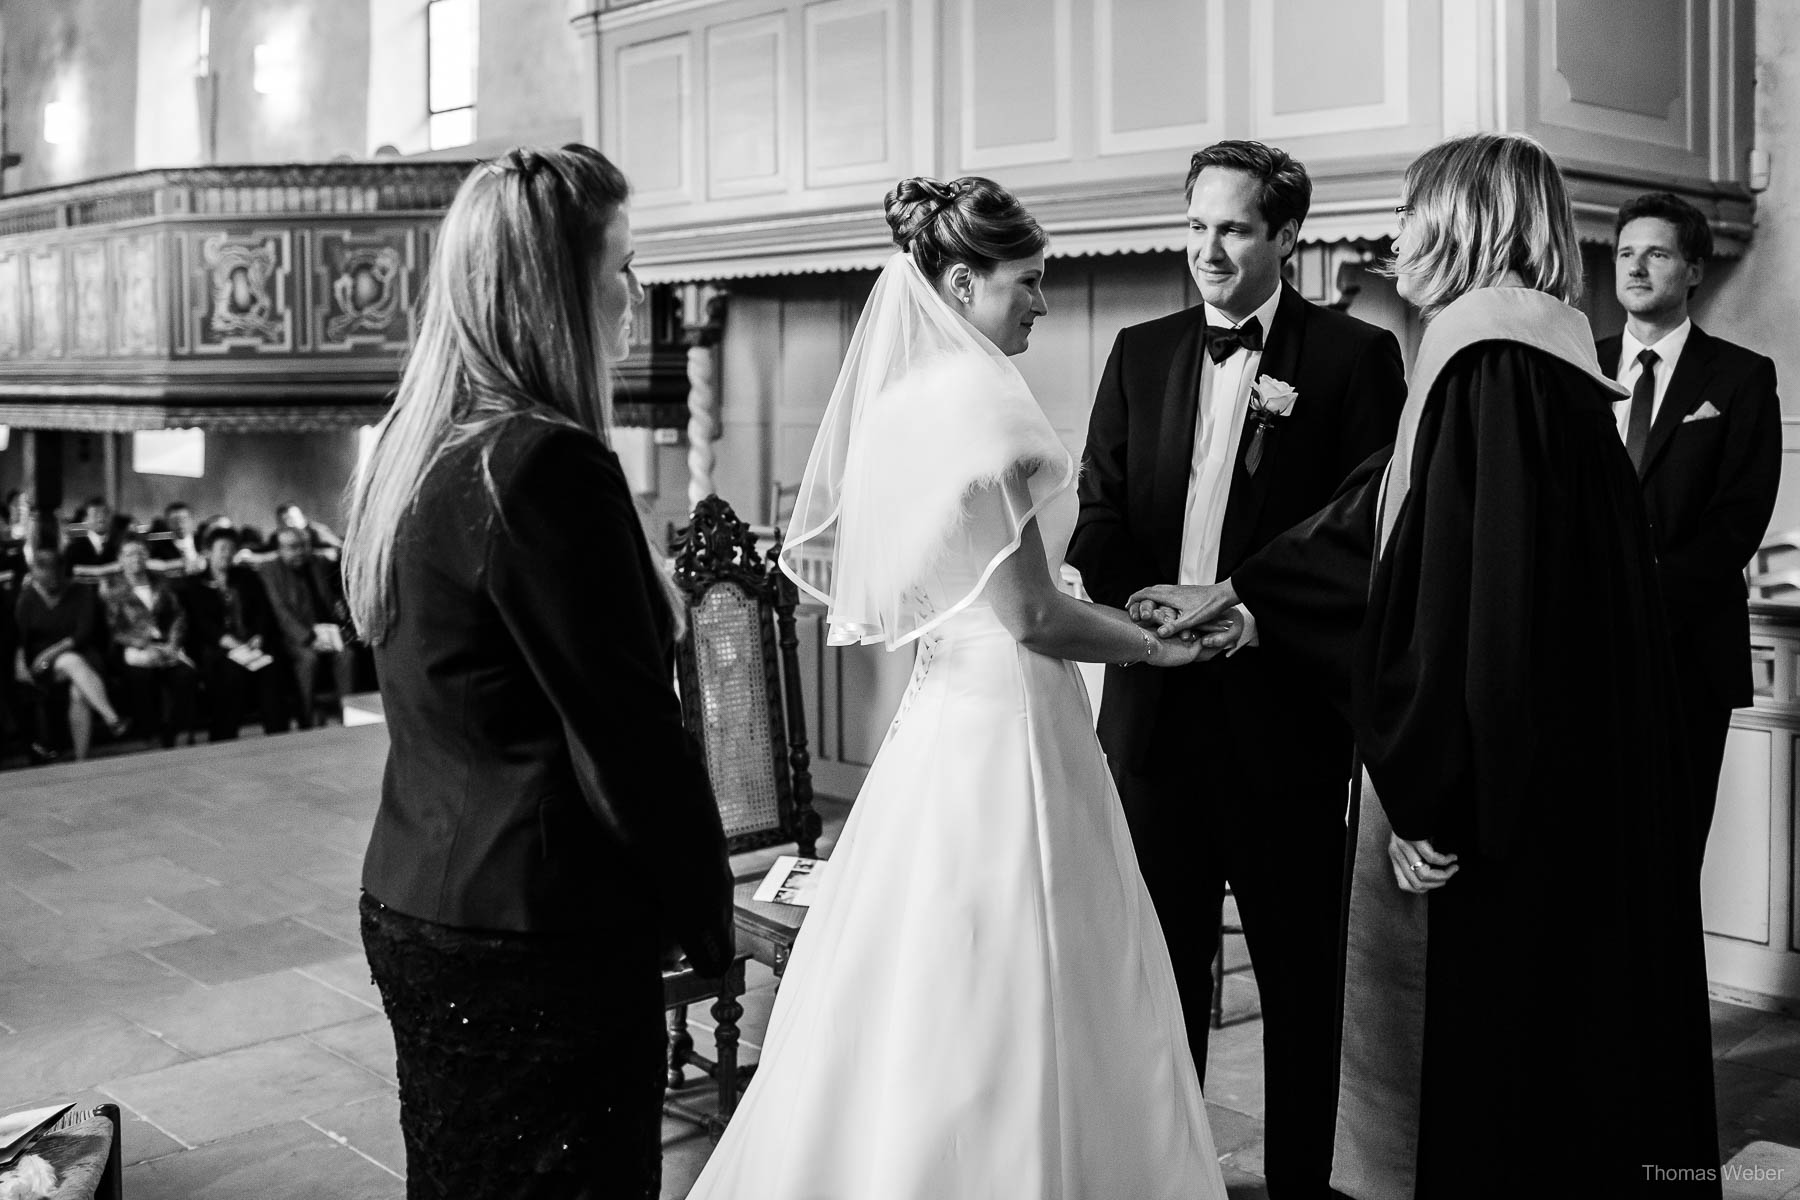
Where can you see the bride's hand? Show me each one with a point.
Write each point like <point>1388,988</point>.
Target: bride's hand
<point>1180,651</point>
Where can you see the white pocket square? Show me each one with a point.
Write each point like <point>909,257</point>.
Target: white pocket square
<point>1705,412</point>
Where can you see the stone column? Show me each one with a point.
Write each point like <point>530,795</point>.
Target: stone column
<point>584,16</point>
<point>702,327</point>
<point>28,465</point>
<point>109,468</point>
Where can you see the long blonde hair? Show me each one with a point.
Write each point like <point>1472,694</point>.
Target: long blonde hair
<point>508,329</point>
<point>1484,205</point>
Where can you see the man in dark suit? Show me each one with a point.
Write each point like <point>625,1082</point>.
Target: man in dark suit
<point>1703,428</point>
<point>90,537</point>
<point>1214,430</point>
<point>304,594</point>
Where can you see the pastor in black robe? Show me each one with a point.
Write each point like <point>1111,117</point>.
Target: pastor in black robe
<point>1538,1025</point>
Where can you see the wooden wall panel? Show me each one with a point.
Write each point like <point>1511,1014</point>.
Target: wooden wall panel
<point>44,306</point>
<point>746,74</point>
<point>12,307</point>
<point>854,96</point>
<point>1016,73</point>
<point>87,279</point>
<point>656,119</point>
<point>1734,883</point>
<point>1628,83</point>
<point>1159,74</point>
<point>1330,66</point>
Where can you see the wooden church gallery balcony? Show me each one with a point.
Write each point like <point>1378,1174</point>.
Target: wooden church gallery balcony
<point>242,299</point>
<point>760,135</point>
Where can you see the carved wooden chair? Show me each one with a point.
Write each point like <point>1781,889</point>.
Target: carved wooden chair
<point>739,674</point>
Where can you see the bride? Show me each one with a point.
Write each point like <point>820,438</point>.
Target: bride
<point>980,1003</point>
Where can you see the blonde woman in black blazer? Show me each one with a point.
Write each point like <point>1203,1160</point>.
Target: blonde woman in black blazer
<point>546,831</point>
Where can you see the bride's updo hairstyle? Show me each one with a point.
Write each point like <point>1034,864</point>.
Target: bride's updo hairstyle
<point>969,220</point>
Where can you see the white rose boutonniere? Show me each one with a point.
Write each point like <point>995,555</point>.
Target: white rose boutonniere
<point>1271,400</point>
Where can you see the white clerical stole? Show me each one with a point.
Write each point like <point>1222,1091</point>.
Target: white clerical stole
<point>1218,429</point>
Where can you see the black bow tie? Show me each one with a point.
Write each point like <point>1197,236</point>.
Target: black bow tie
<point>1222,341</point>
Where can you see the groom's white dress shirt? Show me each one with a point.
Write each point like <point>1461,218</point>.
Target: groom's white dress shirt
<point>1219,415</point>
<point>1668,352</point>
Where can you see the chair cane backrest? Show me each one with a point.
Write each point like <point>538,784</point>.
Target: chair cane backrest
<point>739,674</point>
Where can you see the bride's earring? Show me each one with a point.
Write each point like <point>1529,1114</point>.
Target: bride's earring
<point>962,284</point>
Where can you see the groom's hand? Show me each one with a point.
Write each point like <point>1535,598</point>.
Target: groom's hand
<point>1192,605</point>
<point>1419,867</point>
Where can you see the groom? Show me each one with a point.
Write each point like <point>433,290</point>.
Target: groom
<point>1215,429</point>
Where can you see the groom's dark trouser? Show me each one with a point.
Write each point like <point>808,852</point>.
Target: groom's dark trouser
<point>1284,857</point>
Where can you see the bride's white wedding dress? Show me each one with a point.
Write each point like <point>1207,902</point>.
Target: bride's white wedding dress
<point>980,1004</point>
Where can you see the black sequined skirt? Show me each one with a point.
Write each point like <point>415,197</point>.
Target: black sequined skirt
<point>530,1065</point>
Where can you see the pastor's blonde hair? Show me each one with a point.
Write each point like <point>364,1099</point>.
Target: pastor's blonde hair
<point>1479,207</point>
<point>509,329</point>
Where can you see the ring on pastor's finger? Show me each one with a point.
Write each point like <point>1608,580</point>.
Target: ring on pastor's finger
<point>1417,867</point>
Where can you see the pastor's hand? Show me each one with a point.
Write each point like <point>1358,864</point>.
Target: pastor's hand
<point>1418,866</point>
<point>1192,604</point>
<point>1223,633</point>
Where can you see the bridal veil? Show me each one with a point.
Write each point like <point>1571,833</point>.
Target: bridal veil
<point>932,457</point>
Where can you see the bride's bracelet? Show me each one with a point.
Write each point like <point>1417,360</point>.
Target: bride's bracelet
<point>1149,650</point>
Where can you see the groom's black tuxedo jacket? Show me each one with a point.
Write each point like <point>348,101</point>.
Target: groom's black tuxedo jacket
<point>1351,386</point>
<point>1709,487</point>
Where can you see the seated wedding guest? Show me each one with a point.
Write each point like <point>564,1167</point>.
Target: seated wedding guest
<point>88,537</point>
<point>322,541</point>
<point>181,548</point>
<point>1488,615</point>
<point>18,508</point>
<point>307,604</point>
<point>148,626</point>
<point>61,634</point>
<point>16,535</point>
<point>546,829</point>
<point>1703,428</point>
<point>228,619</point>
<point>11,580</point>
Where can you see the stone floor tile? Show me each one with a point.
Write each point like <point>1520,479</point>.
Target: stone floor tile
<point>1754,1105</point>
<point>1761,1171</point>
<point>16,904</point>
<point>757,976</point>
<point>133,880</point>
<point>114,840</point>
<point>339,873</point>
<point>76,991</point>
<point>368,1042</point>
<point>370,1126</point>
<point>94,929</point>
<point>248,858</point>
<point>1248,1160</point>
<point>21,862</point>
<point>339,918</point>
<point>1243,1185</point>
<point>686,1148</point>
<point>287,1161</point>
<point>252,950</point>
<point>75,1055</point>
<point>206,1099</point>
<point>349,974</point>
<point>1234,1075</point>
<point>209,1020</point>
<point>1231,1129</point>
<point>234,905</point>
<point>1774,1047</point>
<point>1243,1002</point>
<point>1732,1023</point>
<point>12,964</point>
<point>346,834</point>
